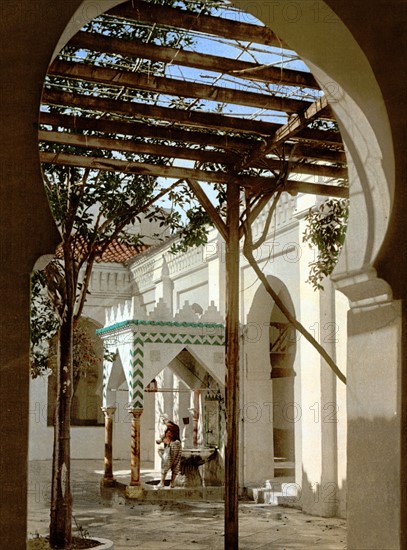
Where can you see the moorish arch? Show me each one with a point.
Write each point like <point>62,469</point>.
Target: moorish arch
<point>269,346</point>
<point>323,41</point>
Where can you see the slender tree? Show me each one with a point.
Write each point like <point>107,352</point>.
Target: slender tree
<point>92,210</point>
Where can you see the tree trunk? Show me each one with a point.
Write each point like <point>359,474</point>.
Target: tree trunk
<point>61,497</point>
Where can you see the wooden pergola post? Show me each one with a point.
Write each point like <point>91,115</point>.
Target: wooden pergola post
<point>232,368</point>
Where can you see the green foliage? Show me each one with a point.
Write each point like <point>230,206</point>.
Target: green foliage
<point>104,205</point>
<point>326,232</point>
<point>85,356</point>
<point>44,325</point>
<point>327,125</point>
<point>195,233</point>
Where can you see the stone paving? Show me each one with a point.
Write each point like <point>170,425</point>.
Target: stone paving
<point>173,525</point>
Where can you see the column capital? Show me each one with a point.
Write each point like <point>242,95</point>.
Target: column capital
<point>108,411</point>
<point>135,412</point>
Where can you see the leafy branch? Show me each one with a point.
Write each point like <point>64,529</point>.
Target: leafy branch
<point>326,231</point>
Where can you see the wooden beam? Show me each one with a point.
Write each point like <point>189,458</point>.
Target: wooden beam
<point>300,151</point>
<point>299,121</point>
<point>308,168</point>
<point>234,67</point>
<point>185,153</point>
<point>258,184</point>
<point>168,133</point>
<point>329,138</point>
<point>136,147</point>
<point>210,121</point>
<point>208,207</point>
<point>197,22</point>
<point>294,187</point>
<point>139,129</point>
<point>138,168</point>
<point>283,134</point>
<point>170,86</point>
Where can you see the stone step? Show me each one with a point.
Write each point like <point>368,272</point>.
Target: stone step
<point>154,494</point>
<point>272,491</point>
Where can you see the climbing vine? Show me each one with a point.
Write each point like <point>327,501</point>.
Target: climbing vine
<point>325,232</point>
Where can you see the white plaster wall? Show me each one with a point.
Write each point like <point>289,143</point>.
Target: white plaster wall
<point>342,308</point>
<point>192,288</point>
<point>110,286</point>
<point>320,464</point>
<point>310,398</point>
<point>282,257</point>
<point>121,426</point>
<point>147,429</point>
<point>86,441</point>
<point>214,256</point>
<point>374,425</point>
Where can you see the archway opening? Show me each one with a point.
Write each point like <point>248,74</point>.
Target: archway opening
<point>370,248</point>
<point>282,357</point>
<point>186,393</point>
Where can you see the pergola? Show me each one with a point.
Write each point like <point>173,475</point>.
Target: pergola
<point>217,98</point>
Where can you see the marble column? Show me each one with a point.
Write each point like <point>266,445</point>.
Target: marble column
<point>108,479</point>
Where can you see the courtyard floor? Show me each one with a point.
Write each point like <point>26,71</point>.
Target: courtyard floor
<point>188,525</point>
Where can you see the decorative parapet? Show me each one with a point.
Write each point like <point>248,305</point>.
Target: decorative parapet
<point>185,261</point>
<point>187,314</point>
<point>212,315</point>
<point>121,313</point>
<point>161,312</point>
<point>284,215</point>
<point>108,280</point>
<point>143,272</point>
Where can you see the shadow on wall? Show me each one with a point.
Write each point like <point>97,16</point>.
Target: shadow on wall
<point>319,498</point>
<point>374,481</point>
<point>371,490</point>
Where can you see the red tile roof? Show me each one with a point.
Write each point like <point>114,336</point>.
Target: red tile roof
<point>116,252</point>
